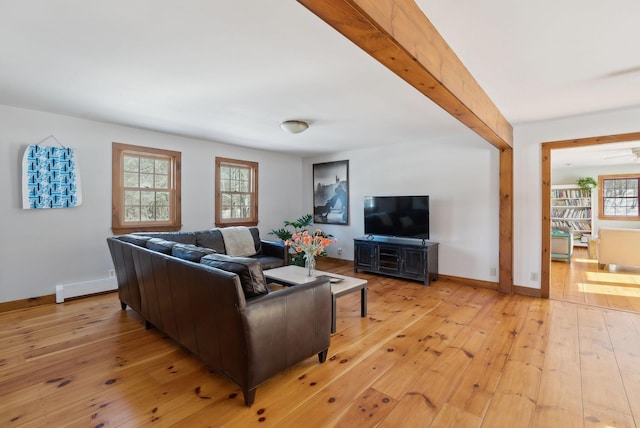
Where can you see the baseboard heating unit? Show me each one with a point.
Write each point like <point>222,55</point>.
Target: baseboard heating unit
<point>68,291</point>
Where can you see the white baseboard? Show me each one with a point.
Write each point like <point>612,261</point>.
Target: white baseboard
<point>67,291</point>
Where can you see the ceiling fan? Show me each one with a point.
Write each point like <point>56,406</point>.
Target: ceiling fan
<point>634,155</point>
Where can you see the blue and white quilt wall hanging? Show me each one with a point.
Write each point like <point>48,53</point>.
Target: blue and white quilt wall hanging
<point>50,178</point>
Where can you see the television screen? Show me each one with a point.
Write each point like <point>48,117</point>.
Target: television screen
<point>401,216</point>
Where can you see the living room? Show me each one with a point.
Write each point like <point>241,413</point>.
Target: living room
<point>457,168</point>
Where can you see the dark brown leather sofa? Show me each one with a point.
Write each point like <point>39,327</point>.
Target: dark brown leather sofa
<point>205,309</point>
<point>270,255</point>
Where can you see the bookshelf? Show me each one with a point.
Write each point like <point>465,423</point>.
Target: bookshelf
<point>571,207</point>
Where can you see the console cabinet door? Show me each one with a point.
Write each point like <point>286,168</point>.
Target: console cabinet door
<point>414,262</point>
<point>366,256</point>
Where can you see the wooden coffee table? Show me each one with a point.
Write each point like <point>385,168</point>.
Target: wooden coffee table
<point>340,285</point>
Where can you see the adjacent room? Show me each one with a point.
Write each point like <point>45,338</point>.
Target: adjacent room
<point>594,188</point>
<point>371,213</point>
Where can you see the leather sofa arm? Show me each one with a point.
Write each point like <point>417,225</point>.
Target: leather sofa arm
<point>275,249</point>
<point>286,326</point>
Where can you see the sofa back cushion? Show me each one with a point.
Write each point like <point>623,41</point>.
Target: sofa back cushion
<point>160,245</point>
<point>190,252</point>
<point>180,237</point>
<point>140,241</point>
<point>210,239</point>
<point>249,270</point>
<point>255,233</point>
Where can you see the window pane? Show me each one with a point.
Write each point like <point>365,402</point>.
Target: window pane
<point>146,181</point>
<point>162,213</point>
<point>243,186</point>
<point>162,166</point>
<point>147,213</point>
<point>162,199</point>
<point>226,186</point>
<point>146,165</point>
<point>147,198</point>
<point>162,181</point>
<point>132,214</point>
<point>132,197</point>
<point>131,163</point>
<point>131,179</point>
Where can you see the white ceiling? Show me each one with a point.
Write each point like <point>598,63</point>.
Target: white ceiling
<point>626,153</point>
<point>231,71</point>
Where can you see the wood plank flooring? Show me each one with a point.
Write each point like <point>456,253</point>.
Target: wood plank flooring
<point>582,281</point>
<point>448,355</point>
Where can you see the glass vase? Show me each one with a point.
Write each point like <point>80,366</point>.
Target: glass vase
<point>310,265</point>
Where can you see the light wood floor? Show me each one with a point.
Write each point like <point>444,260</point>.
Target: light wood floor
<point>582,281</point>
<point>439,356</point>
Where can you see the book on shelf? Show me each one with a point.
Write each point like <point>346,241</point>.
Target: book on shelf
<point>570,193</point>
<point>575,226</point>
<point>584,213</point>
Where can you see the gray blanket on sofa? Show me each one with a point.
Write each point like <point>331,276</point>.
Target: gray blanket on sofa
<point>238,241</point>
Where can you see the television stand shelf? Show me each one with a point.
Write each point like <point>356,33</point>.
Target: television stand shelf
<point>406,258</point>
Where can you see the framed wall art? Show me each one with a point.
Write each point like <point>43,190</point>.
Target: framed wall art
<point>50,177</point>
<point>331,192</point>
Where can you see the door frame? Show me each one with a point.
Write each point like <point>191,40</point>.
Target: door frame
<point>547,148</point>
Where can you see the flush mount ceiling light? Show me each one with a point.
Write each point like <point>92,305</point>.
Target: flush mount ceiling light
<point>294,126</point>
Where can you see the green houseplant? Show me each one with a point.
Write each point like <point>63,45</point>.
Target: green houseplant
<point>587,183</point>
<point>292,227</point>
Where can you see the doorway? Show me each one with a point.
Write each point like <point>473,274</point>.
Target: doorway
<point>547,149</point>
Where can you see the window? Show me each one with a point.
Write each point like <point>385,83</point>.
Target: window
<point>145,189</point>
<point>619,197</point>
<point>236,192</point>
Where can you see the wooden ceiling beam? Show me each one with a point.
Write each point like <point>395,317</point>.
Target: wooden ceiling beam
<point>399,35</point>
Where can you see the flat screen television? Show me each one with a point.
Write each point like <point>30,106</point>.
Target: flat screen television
<point>400,216</point>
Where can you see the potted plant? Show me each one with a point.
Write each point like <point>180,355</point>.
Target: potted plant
<point>299,226</point>
<point>587,183</point>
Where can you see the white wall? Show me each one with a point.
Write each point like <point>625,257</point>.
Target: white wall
<point>527,177</point>
<point>42,248</point>
<point>460,175</point>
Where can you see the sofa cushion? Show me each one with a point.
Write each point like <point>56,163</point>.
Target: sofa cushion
<point>210,239</point>
<point>140,241</point>
<point>249,270</point>
<point>160,245</point>
<point>180,237</point>
<point>257,242</point>
<point>190,252</point>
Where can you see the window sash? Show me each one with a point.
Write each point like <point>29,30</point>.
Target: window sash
<point>146,189</point>
<point>236,192</point>
<point>619,197</point>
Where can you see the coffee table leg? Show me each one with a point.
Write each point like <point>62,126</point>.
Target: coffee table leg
<point>363,302</point>
<point>333,313</point>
